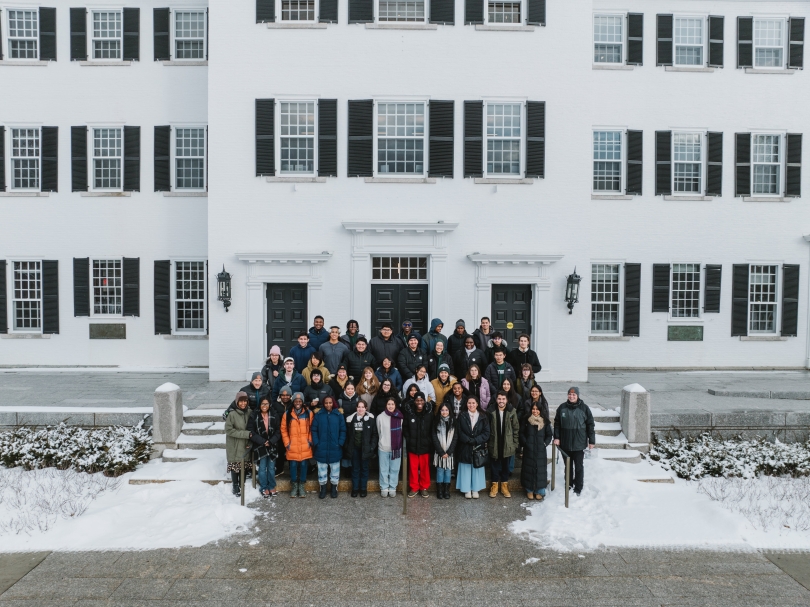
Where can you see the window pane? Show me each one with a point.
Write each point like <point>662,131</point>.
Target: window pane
<point>190,295</point>
<point>107,35</point>
<point>504,12</point>
<point>107,286</point>
<point>605,298</point>
<point>189,35</point>
<point>400,138</point>
<point>401,10</point>
<point>769,42</point>
<point>27,293</point>
<point>503,138</point>
<point>25,159</point>
<point>298,137</point>
<point>687,158</point>
<point>685,290</point>
<point>107,158</point>
<point>607,156</point>
<point>298,10</point>
<point>401,268</point>
<point>23,34</point>
<point>190,159</point>
<point>765,155</point>
<point>608,38</point>
<point>762,299</point>
<point>688,34</point>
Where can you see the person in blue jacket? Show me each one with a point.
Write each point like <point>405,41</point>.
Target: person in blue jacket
<point>302,352</point>
<point>434,335</point>
<point>328,436</point>
<point>289,377</point>
<point>317,334</point>
<point>387,370</point>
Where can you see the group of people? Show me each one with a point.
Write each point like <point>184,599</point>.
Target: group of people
<point>344,401</point>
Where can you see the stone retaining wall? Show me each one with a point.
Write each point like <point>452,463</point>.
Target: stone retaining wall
<point>787,426</point>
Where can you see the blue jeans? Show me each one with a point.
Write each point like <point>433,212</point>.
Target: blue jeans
<point>359,470</point>
<point>389,470</point>
<point>298,472</point>
<point>443,475</point>
<point>267,474</point>
<point>538,492</point>
<point>325,469</point>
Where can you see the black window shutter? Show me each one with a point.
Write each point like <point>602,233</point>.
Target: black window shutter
<point>635,39</point>
<point>473,139</point>
<point>714,168</point>
<point>711,290</point>
<point>660,299</point>
<point>265,11</point>
<point>132,286</point>
<point>132,159</point>
<point>163,173</point>
<point>663,163</point>
<point>328,11</point>
<point>473,11</point>
<point>536,12</point>
<point>664,33</point>
<point>78,158</point>
<point>207,45</point>
<point>739,300</point>
<point>742,162</point>
<point>78,34</point>
<point>442,114</point>
<point>265,145</point>
<point>790,300</point>
<point>716,37</point>
<point>132,34</point>
<point>796,54</point>
<point>442,12</point>
<point>161,23</point>
<point>635,154</point>
<point>2,158</point>
<point>81,286</point>
<point>361,11</point>
<point>47,34</point>
<point>1,39</point>
<point>50,159</point>
<point>536,139</point>
<point>793,177</point>
<point>632,299</point>
<point>3,298</point>
<point>163,285</point>
<point>745,43</point>
<point>327,137</point>
<point>361,133</point>
<point>50,297</point>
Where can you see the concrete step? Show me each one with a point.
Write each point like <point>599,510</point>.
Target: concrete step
<point>628,456</point>
<point>617,441</point>
<point>207,415</point>
<point>191,441</point>
<point>608,428</point>
<point>203,428</point>
<point>186,455</point>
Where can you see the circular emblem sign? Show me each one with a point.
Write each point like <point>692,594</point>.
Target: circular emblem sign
<point>510,325</point>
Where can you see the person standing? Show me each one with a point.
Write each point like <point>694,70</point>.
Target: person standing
<point>339,380</point>
<point>409,358</point>
<point>328,438</point>
<point>475,385</point>
<point>469,356</point>
<point>289,377</point>
<point>523,355</point>
<point>387,370</point>
<point>272,366</point>
<point>497,343</point>
<point>418,426</point>
<point>455,343</point>
<point>483,335</point>
<point>405,333</point>
<point>368,386</point>
<point>316,362</point>
<point>442,385</point>
<point>445,439</point>
<point>498,370</point>
<point>512,397</point>
<point>265,434</point>
<point>436,359</point>
<point>348,399</point>
<point>574,431</point>
<point>473,434</point>
<point>535,397</point>
<point>352,333</point>
<point>334,352</point>
<point>434,335</point>
<point>384,394</point>
<point>389,433</point>
<point>456,399</point>
<point>358,359</point>
<point>503,441</point>
<point>384,345</point>
<point>255,390</point>
<point>534,438</point>
<point>422,381</point>
<point>360,447</point>
<point>302,351</point>
<point>317,334</point>
<point>237,441</point>
<point>296,433</point>
<point>316,391</point>
<point>525,381</point>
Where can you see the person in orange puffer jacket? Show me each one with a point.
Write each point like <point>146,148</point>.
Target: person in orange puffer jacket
<point>296,433</point>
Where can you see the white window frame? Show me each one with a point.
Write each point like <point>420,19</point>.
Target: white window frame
<point>401,280</point>
<point>703,164</point>
<point>280,4</point>
<point>426,137</point>
<point>91,51</point>
<point>700,289</point>
<point>399,22</point>
<point>620,310</point>
<point>91,129</point>
<point>522,170</point>
<point>174,300</point>
<point>785,42</point>
<point>622,161</point>
<point>173,33</point>
<point>93,313</point>
<point>173,154</point>
<point>12,325</point>
<point>523,6</point>
<point>7,33</point>
<point>623,18</point>
<point>777,299</point>
<point>704,29</point>
<point>780,187</point>
<point>277,136</point>
<point>9,161</point>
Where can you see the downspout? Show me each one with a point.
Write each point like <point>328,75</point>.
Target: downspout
<point>807,328</point>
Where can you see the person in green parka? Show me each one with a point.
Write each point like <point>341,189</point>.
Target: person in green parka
<point>237,440</point>
<point>504,437</point>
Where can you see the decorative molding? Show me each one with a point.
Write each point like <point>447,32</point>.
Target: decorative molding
<point>298,179</point>
<point>105,63</point>
<point>185,63</point>
<point>13,194</point>
<point>182,337</point>
<point>504,180</point>
<point>296,26</point>
<point>766,199</point>
<point>401,26</point>
<point>504,28</point>
<point>612,66</point>
<point>105,194</point>
<point>690,198</point>
<point>24,336</point>
<point>21,63</point>
<point>285,258</point>
<point>752,70</point>
<point>186,194</point>
<point>400,227</point>
<point>611,197</point>
<point>762,338</point>
<point>400,180</point>
<point>513,259</point>
<point>608,338</point>
<point>673,68</point>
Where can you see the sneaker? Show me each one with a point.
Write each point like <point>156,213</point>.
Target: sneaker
<point>424,493</point>
<point>272,493</point>
<point>468,495</point>
<point>265,494</point>
<point>392,493</point>
<point>383,492</point>
<point>413,494</point>
<point>475,495</point>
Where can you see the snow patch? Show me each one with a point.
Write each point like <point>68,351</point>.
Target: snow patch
<point>634,388</point>
<point>167,387</point>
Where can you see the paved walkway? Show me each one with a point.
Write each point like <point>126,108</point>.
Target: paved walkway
<point>365,552</point>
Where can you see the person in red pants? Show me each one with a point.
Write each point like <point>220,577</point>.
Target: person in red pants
<point>418,441</point>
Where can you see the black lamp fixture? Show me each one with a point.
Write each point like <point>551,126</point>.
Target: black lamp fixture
<point>224,288</point>
<point>572,290</point>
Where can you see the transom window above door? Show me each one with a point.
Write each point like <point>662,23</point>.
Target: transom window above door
<point>399,268</point>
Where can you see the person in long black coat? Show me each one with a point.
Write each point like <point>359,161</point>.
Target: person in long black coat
<point>473,431</point>
<point>535,436</point>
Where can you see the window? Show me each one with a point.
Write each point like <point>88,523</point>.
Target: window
<point>762,299</point>
<point>24,159</point>
<point>189,35</point>
<point>688,39</point>
<point>23,34</point>
<point>27,295</point>
<point>605,298</point>
<point>503,138</point>
<point>107,35</point>
<point>189,296</point>
<point>400,138</point>
<point>298,10</point>
<point>607,161</point>
<point>401,10</point>
<point>688,162</point>
<point>769,43</point>
<point>608,38</point>
<point>504,12</point>
<point>297,136</point>
<point>107,159</point>
<point>766,164</point>
<point>189,158</point>
<point>685,290</point>
<point>399,268</point>
<point>107,287</point>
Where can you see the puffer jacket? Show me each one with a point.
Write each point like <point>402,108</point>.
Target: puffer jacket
<point>417,430</point>
<point>384,348</point>
<point>255,394</point>
<point>357,361</point>
<point>483,342</point>
<point>378,404</point>
<point>393,375</point>
<point>464,361</point>
<point>408,360</point>
<point>347,405</point>
<point>491,375</point>
<point>260,435</point>
<point>436,360</point>
<point>483,393</point>
<point>302,356</point>
<point>534,440</point>
<point>328,436</point>
<point>469,437</point>
<point>319,391</point>
<point>237,435</point>
<point>369,440</point>
<point>511,432</point>
<point>403,339</point>
<point>298,438</point>
<point>316,338</point>
<point>268,368</point>
<point>517,359</point>
<point>574,426</point>
<point>424,386</point>
<point>455,343</point>
<point>441,390</point>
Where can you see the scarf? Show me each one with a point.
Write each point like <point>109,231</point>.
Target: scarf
<point>445,438</point>
<point>396,433</point>
<point>470,350</point>
<point>536,420</point>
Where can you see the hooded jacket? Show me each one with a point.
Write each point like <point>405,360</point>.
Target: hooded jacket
<point>517,359</point>
<point>316,338</point>
<point>357,361</point>
<point>328,436</point>
<point>307,373</point>
<point>301,356</point>
<point>408,360</point>
<point>417,428</point>
<point>434,361</point>
<point>370,436</point>
<point>574,426</point>
<point>261,435</point>
<point>511,432</point>
<point>297,383</point>
<point>385,348</point>
<point>429,340</point>
<point>455,343</point>
<point>425,387</point>
<point>298,438</point>
<point>393,375</point>
<point>237,435</point>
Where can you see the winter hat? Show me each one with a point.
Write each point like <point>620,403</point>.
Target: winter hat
<point>460,323</point>
<point>444,367</point>
<point>574,389</point>
<point>240,395</point>
<point>413,337</point>
<point>255,375</point>
<point>289,358</point>
<point>418,394</point>
<point>341,367</point>
<point>316,372</point>
<point>298,396</point>
<point>274,350</point>
<point>285,390</point>
<point>362,338</point>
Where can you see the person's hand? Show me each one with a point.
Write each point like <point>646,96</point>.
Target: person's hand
<point>267,443</point>
<point>557,441</point>
<point>444,456</point>
<point>591,446</point>
<point>275,373</point>
<point>315,401</point>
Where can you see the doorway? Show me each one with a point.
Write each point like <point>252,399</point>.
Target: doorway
<point>512,311</point>
<point>286,314</point>
<point>394,303</point>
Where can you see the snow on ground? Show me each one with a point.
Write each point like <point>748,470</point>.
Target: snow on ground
<point>615,509</point>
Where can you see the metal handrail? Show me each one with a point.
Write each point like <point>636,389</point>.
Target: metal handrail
<point>554,450</point>
<point>404,478</point>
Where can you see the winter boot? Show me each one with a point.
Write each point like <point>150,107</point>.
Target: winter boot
<point>293,488</point>
<point>334,490</point>
<point>447,491</point>
<point>302,489</point>
<point>494,491</point>
<point>440,491</point>
<point>505,490</point>
<point>322,493</point>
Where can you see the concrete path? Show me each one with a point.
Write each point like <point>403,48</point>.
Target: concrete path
<point>365,552</point>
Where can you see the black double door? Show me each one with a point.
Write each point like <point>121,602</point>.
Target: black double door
<point>394,303</point>
<point>512,311</point>
<point>286,314</point>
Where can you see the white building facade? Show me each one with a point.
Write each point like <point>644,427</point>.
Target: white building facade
<point>379,160</point>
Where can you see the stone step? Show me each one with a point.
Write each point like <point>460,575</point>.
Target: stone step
<point>608,428</point>
<point>187,455</point>
<point>628,456</point>
<point>209,415</point>
<point>617,441</point>
<point>203,428</point>
<point>190,441</point>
